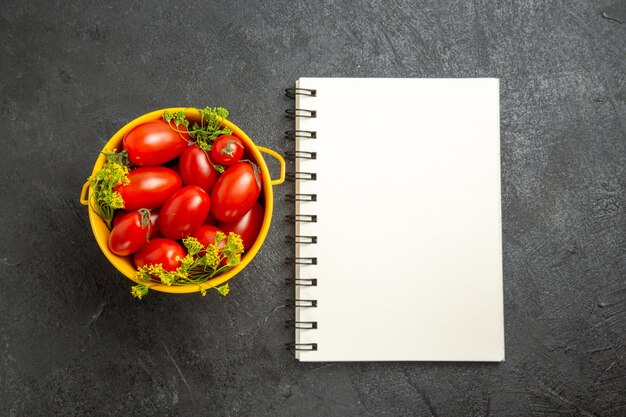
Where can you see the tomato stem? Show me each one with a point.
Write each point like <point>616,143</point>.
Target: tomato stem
<point>145,221</point>
<point>255,169</point>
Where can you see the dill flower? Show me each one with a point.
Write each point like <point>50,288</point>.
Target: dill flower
<point>139,290</point>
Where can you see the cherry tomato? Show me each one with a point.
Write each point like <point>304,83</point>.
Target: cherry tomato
<point>160,251</point>
<point>131,232</point>
<point>227,150</point>
<point>149,187</point>
<point>206,235</point>
<point>248,226</point>
<point>197,169</point>
<point>155,143</point>
<point>236,191</point>
<point>154,215</point>
<point>184,212</point>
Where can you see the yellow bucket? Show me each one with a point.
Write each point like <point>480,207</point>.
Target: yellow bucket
<point>124,264</point>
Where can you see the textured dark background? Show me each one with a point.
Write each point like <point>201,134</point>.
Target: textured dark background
<point>74,342</point>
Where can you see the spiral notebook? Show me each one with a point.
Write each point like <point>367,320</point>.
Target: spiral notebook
<point>398,247</point>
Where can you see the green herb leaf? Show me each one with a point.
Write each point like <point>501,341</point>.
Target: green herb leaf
<point>205,146</point>
<point>204,133</point>
<point>118,158</point>
<point>210,126</point>
<point>181,119</point>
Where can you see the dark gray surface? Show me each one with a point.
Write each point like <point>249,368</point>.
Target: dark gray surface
<point>74,342</point>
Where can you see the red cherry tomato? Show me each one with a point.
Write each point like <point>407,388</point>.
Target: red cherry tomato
<point>160,251</point>
<point>155,143</point>
<point>227,150</point>
<point>149,187</point>
<point>197,169</point>
<point>206,235</point>
<point>154,215</point>
<point>248,226</point>
<point>236,191</point>
<point>184,212</point>
<point>131,232</point>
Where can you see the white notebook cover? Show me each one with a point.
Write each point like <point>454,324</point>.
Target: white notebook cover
<point>409,243</point>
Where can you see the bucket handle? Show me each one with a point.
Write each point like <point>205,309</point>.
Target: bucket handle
<point>83,198</point>
<point>280,159</point>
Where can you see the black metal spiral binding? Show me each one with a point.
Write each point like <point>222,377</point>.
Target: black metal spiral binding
<point>300,134</point>
<point>301,324</point>
<point>293,113</point>
<point>302,282</point>
<point>297,239</point>
<point>301,218</point>
<point>293,155</point>
<point>306,176</point>
<point>301,346</point>
<point>300,303</point>
<point>293,92</point>
<point>300,197</point>
<point>301,260</point>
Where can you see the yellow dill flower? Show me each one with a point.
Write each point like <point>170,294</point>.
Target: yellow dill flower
<point>156,270</point>
<point>187,262</point>
<point>138,291</point>
<point>235,243</point>
<point>117,202</point>
<point>143,274</point>
<point>193,245</point>
<point>219,236</point>
<point>212,256</point>
<point>233,259</point>
<point>168,278</point>
<point>224,289</point>
<point>103,199</point>
<point>196,268</point>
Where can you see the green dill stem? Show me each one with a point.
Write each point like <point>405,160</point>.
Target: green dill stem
<point>103,210</point>
<point>181,132</point>
<point>219,271</point>
<point>215,166</point>
<point>191,132</point>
